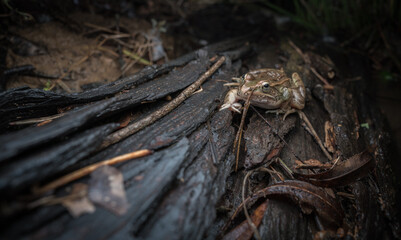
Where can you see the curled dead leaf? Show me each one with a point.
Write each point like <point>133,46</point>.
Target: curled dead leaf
<point>309,198</point>
<point>244,230</point>
<point>343,173</point>
<point>329,137</point>
<point>311,164</point>
<point>77,202</point>
<point>106,188</point>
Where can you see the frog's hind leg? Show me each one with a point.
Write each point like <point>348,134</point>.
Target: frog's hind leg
<point>288,112</point>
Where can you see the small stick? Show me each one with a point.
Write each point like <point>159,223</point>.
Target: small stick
<point>213,150</point>
<point>89,169</point>
<point>239,134</point>
<point>136,57</point>
<point>327,85</point>
<point>314,134</point>
<point>307,60</point>
<point>286,168</point>
<point>277,173</point>
<point>36,120</point>
<point>135,127</point>
<point>100,28</point>
<point>299,51</point>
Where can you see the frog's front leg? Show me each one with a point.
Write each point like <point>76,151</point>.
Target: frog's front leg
<point>230,101</point>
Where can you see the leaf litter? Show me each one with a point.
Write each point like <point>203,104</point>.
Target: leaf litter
<point>307,193</point>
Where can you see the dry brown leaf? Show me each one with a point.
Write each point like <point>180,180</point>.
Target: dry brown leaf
<point>244,230</point>
<point>343,173</point>
<point>329,137</point>
<point>308,197</point>
<point>77,202</point>
<point>311,164</point>
<point>106,188</point>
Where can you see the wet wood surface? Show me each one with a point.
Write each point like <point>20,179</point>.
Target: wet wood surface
<point>187,188</point>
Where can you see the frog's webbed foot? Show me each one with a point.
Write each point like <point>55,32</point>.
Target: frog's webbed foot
<point>230,101</point>
<point>236,107</point>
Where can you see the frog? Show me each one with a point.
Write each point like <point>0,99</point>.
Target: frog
<point>271,89</point>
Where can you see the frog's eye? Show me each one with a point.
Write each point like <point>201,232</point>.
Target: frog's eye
<point>265,86</point>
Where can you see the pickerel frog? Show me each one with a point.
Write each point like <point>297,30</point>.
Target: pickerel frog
<point>270,88</point>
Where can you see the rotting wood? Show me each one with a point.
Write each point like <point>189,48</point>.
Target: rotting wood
<point>17,142</point>
<point>36,165</point>
<point>174,192</point>
<point>162,134</point>
<point>23,103</point>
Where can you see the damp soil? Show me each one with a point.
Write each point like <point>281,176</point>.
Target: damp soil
<point>78,57</point>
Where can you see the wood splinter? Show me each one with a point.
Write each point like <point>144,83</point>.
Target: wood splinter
<point>89,169</point>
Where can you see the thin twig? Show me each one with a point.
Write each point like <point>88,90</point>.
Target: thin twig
<point>212,144</point>
<point>327,85</point>
<point>153,117</point>
<point>299,51</point>
<point>89,169</point>
<point>335,163</point>
<point>314,134</point>
<point>136,57</point>
<point>285,167</point>
<point>248,218</point>
<point>37,120</point>
<point>105,49</point>
<point>307,60</point>
<point>99,28</point>
<point>279,175</point>
<point>241,126</point>
<point>64,86</point>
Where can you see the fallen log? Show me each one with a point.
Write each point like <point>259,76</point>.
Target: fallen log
<point>21,169</point>
<point>23,103</point>
<point>187,189</point>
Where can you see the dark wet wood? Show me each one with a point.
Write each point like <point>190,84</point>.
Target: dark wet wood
<point>262,141</point>
<point>158,174</point>
<point>346,107</point>
<point>38,164</point>
<point>23,103</point>
<point>187,189</point>
<point>15,143</point>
